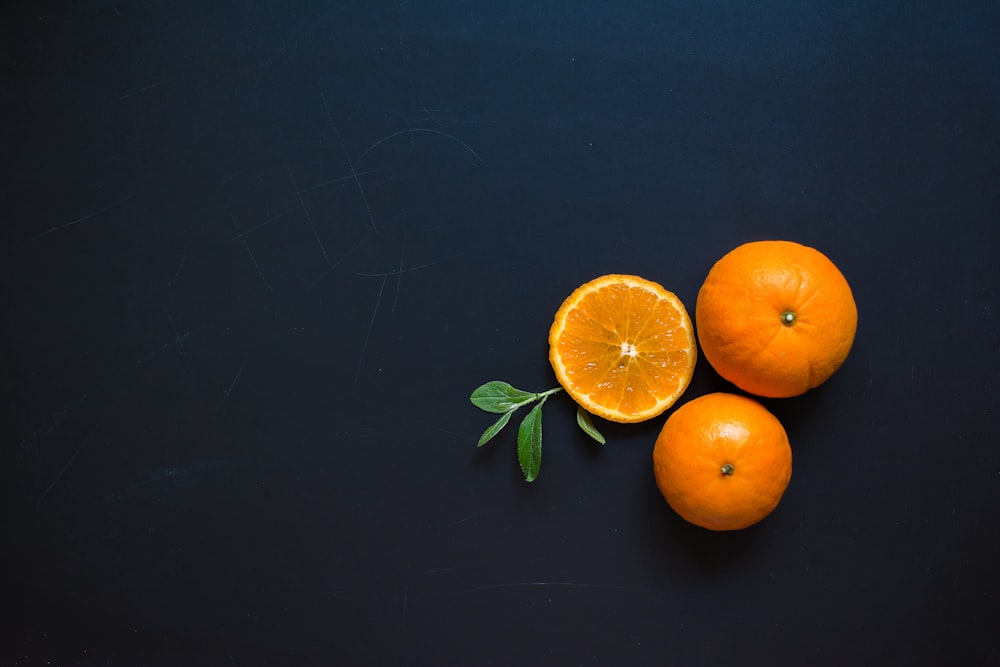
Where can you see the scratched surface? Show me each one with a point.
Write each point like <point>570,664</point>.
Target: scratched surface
<point>255,257</point>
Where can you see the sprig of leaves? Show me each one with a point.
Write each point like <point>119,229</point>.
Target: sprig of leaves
<point>503,399</point>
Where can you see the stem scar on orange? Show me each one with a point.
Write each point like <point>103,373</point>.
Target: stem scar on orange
<point>623,347</point>
<point>722,461</point>
<point>775,318</point>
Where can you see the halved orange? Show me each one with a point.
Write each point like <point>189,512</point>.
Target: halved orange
<point>623,347</point>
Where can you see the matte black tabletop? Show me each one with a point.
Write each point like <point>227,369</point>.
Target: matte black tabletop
<point>256,256</point>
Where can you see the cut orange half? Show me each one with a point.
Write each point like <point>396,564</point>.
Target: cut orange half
<point>623,347</point>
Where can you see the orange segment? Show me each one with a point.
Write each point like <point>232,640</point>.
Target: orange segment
<point>623,347</point>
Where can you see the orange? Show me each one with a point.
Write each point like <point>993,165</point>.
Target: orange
<point>722,461</point>
<point>775,318</point>
<point>623,347</point>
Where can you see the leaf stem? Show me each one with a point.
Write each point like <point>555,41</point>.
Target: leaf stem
<point>503,399</point>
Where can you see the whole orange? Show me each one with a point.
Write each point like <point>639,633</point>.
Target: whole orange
<point>722,461</point>
<point>775,318</point>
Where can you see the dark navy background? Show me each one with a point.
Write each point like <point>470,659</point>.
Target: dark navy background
<point>256,255</point>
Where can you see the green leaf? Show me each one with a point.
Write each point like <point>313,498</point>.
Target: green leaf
<point>498,397</point>
<point>529,443</point>
<point>494,429</point>
<point>587,424</point>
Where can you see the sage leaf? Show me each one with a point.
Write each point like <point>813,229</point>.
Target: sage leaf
<point>494,429</point>
<point>499,397</point>
<point>587,424</point>
<point>529,443</point>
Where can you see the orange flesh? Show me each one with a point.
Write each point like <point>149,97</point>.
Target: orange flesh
<point>623,347</point>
